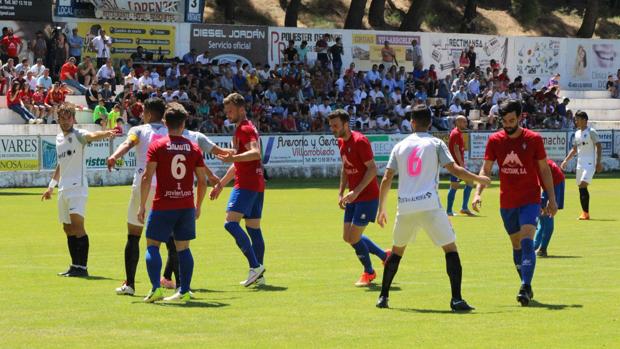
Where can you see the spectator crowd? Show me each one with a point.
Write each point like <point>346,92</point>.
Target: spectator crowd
<point>295,96</point>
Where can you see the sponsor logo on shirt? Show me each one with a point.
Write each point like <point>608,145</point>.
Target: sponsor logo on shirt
<point>425,196</point>
<point>512,165</point>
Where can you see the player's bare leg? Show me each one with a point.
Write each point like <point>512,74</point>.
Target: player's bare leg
<point>389,271</point>
<point>584,198</point>
<point>528,262</point>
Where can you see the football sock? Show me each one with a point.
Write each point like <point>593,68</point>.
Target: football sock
<point>451,196</point>
<point>153,265</point>
<point>517,258</point>
<point>549,225</point>
<point>528,263</point>
<point>466,194</point>
<point>186,267</point>
<point>258,244</point>
<point>361,250</point>
<point>172,264</point>
<point>82,250</point>
<point>584,197</point>
<point>243,241</point>
<point>132,255</point>
<point>455,273</point>
<point>389,271</point>
<point>72,249</point>
<point>540,232</point>
<point>374,248</point>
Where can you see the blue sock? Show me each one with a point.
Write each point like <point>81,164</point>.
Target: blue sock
<point>362,253</point>
<point>517,257</point>
<point>153,265</point>
<point>186,269</point>
<point>258,244</point>
<point>451,196</point>
<point>528,263</point>
<point>374,248</point>
<point>243,241</point>
<point>466,193</point>
<point>548,231</point>
<point>540,231</point>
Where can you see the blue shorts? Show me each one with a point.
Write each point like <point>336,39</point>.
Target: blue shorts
<point>181,224</point>
<point>454,179</point>
<point>514,218</point>
<point>360,213</point>
<point>559,196</point>
<point>248,202</point>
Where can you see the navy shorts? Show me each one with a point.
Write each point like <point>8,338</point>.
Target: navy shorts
<point>248,202</point>
<point>454,179</point>
<point>514,218</point>
<point>181,224</point>
<point>360,213</point>
<point>559,196</point>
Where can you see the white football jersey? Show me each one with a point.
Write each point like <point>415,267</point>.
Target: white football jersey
<point>417,160</point>
<point>585,141</point>
<point>70,153</point>
<point>203,142</point>
<point>144,135</point>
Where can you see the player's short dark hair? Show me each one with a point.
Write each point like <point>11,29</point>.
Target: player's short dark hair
<point>66,109</point>
<point>421,115</point>
<point>235,99</point>
<point>156,107</point>
<point>339,114</point>
<point>175,115</point>
<point>509,106</point>
<point>582,115</point>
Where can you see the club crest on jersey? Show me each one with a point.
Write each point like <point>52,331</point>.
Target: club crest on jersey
<point>524,146</point>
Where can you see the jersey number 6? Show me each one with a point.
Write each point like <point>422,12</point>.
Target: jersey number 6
<point>178,167</point>
<point>414,163</point>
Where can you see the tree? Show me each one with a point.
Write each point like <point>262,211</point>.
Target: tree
<point>290,18</point>
<point>468,25</point>
<point>590,17</point>
<point>355,14</point>
<point>526,11</point>
<point>228,7</point>
<point>415,16</point>
<point>376,14</point>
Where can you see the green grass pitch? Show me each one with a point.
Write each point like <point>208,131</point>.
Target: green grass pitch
<point>310,300</point>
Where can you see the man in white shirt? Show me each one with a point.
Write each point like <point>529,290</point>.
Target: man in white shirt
<point>70,176</point>
<point>376,93</point>
<point>405,125</point>
<point>417,159</point>
<point>106,74</point>
<point>314,108</point>
<point>203,58</point>
<point>38,68</point>
<point>373,75</point>
<point>530,86</point>
<point>102,44</point>
<point>146,79</point>
<point>45,80</point>
<point>324,109</point>
<point>473,87</point>
<point>456,109</point>
<point>384,123</point>
<point>359,94</point>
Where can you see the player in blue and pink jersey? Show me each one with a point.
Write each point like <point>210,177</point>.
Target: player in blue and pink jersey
<point>521,156</point>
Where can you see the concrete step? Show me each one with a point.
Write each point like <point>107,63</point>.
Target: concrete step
<point>604,115</point>
<point>9,117</point>
<point>585,94</point>
<point>36,130</point>
<point>594,103</point>
<point>604,125</point>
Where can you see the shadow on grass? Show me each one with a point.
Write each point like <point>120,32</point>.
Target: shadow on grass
<point>377,288</point>
<point>270,288</point>
<point>205,290</point>
<point>12,193</point>
<point>603,220</point>
<point>560,257</point>
<point>194,304</point>
<point>97,278</point>
<point>536,304</point>
<point>431,311</point>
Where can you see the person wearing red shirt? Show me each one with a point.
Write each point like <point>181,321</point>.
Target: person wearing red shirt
<point>176,161</point>
<point>11,45</point>
<point>545,223</point>
<point>68,75</point>
<point>15,103</point>
<point>289,124</point>
<point>360,204</point>
<point>246,198</point>
<point>456,144</point>
<point>56,97</point>
<point>521,157</point>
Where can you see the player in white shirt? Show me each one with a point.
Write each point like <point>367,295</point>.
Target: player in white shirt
<point>417,159</point>
<point>140,137</point>
<point>70,176</point>
<point>587,147</point>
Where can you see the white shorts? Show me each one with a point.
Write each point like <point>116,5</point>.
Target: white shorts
<point>435,222</point>
<point>71,201</point>
<point>134,205</point>
<point>584,174</point>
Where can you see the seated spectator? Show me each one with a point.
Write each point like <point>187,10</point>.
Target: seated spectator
<point>38,99</point>
<point>119,129</point>
<point>86,71</point>
<point>92,95</point>
<point>69,73</point>
<point>134,111</point>
<point>15,103</point>
<point>45,80</point>
<point>114,115</point>
<point>106,74</point>
<point>405,125</point>
<point>55,98</point>
<point>100,114</point>
<point>440,120</point>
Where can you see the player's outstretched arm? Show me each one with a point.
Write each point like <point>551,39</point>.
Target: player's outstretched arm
<point>122,149</point>
<point>570,155</point>
<point>485,171</point>
<point>386,185</point>
<point>99,135</point>
<point>47,194</point>
<point>547,181</point>
<point>460,172</point>
<point>369,176</point>
<point>201,191</point>
<point>145,188</point>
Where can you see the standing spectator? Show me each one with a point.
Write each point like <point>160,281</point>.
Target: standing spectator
<point>388,56</point>
<point>416,54</point>
<point>290,52</point>
<point>190,57</point>
<point>45,80</point>
<point>102,44</point>
<point>76,43</point>
<point>302,52</point>
<point>464,61</point>
<point>87,72</point>
<point>203,58</point>
<point>15,103</point>
<point>471,55</point>
<point>336,51</point>
<point>61,54</point>
<point>39,47</point>
<point>12,45</point>
<point>37,69</point>
<point>321,49</point>
<point>106,74</point>
<point>68,75</point>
